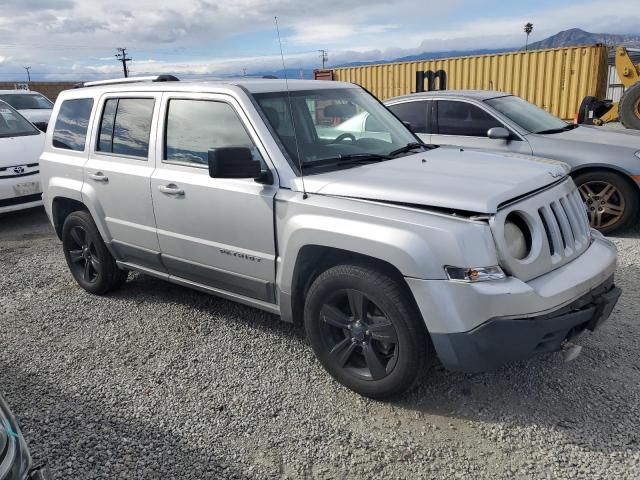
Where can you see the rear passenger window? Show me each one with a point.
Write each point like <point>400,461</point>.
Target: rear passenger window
<point>196,126</point>
<point>125,126</point>
<point>70,131</point>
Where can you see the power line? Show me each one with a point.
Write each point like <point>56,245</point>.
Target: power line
<point>122,57</point>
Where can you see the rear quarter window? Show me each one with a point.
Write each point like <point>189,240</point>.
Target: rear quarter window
<point>72,122</point>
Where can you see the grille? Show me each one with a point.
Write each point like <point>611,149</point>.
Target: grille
<point>565,224</point>
<point>559,227</point>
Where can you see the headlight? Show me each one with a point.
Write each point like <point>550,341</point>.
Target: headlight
<point>517,236</point>
<point>475,274</point>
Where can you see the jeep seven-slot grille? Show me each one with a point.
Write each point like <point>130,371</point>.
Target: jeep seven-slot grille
<point>559,228</point>
<point>565,223</point>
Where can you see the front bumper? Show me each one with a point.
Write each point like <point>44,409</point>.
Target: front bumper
<point>500,340</point>
<point>505,309</point>
<point>20,192</point>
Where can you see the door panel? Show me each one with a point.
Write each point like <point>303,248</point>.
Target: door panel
<point>119,185</point>
<point>216,232</point>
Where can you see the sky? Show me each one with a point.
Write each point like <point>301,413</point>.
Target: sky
<point>76,39</point>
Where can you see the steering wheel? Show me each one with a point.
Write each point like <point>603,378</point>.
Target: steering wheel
<point>345,136</point>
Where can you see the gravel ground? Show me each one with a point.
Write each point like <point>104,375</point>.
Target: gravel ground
<point>157,381</point>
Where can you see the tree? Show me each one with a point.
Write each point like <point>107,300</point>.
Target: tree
<point>528,28</point>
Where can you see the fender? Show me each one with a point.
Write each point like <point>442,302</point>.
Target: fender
<point>89,198</point>
<point>417,243</point>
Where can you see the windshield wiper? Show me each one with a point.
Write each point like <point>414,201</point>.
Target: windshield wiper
<point>346,159</point>
<point>407,148</point>
<point>566,128</point>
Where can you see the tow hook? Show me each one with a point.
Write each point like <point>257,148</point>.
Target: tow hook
<point>570,351</point>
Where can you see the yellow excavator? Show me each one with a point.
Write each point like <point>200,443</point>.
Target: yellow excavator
<point>627,110</point>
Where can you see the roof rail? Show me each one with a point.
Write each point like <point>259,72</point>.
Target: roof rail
<point>115,81</point>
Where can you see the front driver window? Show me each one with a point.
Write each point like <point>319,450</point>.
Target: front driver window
<point>464,119</point>
<point>196,126</point>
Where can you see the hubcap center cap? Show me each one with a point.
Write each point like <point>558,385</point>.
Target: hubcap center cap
<point>358,332</point>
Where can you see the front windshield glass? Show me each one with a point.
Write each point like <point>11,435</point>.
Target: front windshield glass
<point>332,124</point>
<point>527,115</point>
<point>27,101</point>
<point>12,124</point>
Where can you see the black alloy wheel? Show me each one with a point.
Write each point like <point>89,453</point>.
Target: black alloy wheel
<point>87,256</point>
<point>83,255</point>
<point>358,335</point>
<point>366,330</point>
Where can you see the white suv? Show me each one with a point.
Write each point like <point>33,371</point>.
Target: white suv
<point>379,244</point>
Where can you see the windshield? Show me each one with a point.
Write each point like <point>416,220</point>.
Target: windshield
<point>27,101</point>
<point>12,124</point>
<point>527,115</point>
<point>335,124</point>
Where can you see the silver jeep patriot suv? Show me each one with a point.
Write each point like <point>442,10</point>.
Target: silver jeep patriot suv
<point>273,195</point>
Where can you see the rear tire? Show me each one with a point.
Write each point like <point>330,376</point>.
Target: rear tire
<point>365,330</point>
<point>629,107</point>
<point>87,256</point>
<point>611,199</point>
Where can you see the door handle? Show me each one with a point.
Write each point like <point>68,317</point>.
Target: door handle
<point>171,189</point>
<point>98,177</point>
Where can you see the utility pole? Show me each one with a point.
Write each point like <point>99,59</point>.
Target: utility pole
<point>28,74</point>
<point>528,28</point>
<point>324,55</point>
<point>122,57</point>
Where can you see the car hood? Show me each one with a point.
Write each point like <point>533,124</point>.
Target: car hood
<point>599,136</point>
<point>451,178</point>
<point>37,115</point>
<point>24,150</point>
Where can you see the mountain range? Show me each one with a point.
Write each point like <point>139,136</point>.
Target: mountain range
<point>565,38</point>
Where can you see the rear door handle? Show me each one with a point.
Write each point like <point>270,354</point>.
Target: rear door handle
<point>171,189</point>
<point>98,177</point>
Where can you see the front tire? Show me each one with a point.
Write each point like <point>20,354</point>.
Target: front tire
<point>629,107</point>
<point>87,256</point>
<point>611,200</point>
<point>365,330</point>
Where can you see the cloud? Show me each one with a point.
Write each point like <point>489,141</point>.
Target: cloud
<point>66,37</point>
<point>35,5</point>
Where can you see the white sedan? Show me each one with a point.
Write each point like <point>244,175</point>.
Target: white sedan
<point>34,106</point>
<point>21,145</point>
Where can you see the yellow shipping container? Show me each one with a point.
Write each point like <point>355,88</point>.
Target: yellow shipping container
<point>554,79</point>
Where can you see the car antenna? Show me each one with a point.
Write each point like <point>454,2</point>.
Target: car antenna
<point>293,123</point>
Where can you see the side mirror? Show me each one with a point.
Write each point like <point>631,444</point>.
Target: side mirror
<point>499,133</point>
<point>233,162</point>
